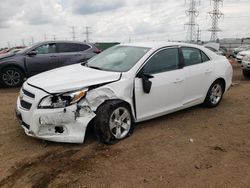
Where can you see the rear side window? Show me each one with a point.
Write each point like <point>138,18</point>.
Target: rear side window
<point>71,47</point>
<point>165,60</point>
<point>83,47</point>
<point>204,57</point>
<point>191,56</point>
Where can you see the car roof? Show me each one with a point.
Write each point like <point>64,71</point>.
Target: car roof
<point>160,44</point>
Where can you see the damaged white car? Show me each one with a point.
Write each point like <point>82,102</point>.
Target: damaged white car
<point>123,85</point>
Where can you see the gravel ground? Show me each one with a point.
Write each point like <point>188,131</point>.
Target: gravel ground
<point>196,147</point>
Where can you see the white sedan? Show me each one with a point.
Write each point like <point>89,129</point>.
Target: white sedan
<point>123,85</point>
<point>241,55</point>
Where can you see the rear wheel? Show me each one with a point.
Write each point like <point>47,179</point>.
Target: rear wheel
<point>113,122</point>
<point>12,77</point>
<point>246,73</point>
<point>215,94</point>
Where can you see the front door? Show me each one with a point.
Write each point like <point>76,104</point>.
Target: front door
<point>45,59</point>
<point>166,92</point>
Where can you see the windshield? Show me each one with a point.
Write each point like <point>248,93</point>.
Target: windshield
<point>118,58</point>
<point>25,49</point>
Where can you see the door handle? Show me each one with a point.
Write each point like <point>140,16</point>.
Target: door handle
<point>178,80</point>
<point>53,56</point>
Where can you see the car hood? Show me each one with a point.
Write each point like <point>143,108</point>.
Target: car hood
<point>71,78</point>
<point>6,55</point>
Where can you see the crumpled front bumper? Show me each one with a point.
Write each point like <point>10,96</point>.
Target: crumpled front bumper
<point>60,125</point>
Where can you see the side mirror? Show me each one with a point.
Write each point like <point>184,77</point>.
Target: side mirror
<point>32,53</point>
<point>146,83</point>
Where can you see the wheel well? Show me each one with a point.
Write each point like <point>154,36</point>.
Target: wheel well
<point>222,81</point>
<point>15,66</point>
<point>116,101</point>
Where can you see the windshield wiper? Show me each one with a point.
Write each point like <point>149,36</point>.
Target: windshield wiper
<point>98,68</point>
<point>85,63</point>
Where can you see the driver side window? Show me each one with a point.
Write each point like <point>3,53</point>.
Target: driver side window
<point>46,49</point>
<point>165,60</point>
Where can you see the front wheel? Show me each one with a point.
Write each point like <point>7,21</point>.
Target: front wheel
<point>113,122</point>
<point>12,77</point>
<point>215,94</point>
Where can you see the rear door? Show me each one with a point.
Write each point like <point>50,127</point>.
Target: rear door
<point>45,59</point>
<point>167,79</point>
<point>198,70</point>
<point>71,53</point>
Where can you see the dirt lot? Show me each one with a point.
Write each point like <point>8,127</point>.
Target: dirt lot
<point>197,147</point>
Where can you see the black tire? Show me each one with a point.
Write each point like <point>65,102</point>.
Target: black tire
<point>215,94</point>
<point>246,73</point>
<point>105,119</point>
<point>11,77</point>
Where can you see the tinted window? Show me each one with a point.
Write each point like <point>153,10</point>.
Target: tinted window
<point>46,49</point>
<point>165,60</point>
<point>204,57</point>
<point>191,56</point>
<point>83,47</point>
<point>71,47</point>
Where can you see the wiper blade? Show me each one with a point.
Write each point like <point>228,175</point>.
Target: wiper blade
<point>85,63</point>
<point>98,68</point>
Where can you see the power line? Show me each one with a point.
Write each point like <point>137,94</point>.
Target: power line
<point>192,12</point>
<point>215,15</point>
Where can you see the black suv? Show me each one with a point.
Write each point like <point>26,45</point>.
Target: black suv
<point>40,57</point>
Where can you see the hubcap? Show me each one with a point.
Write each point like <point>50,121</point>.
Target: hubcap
<point>120,122</point>
<point>11,77</point>
<point>216,93</point>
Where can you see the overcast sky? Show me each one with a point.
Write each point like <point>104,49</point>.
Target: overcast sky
<point>114,20</point>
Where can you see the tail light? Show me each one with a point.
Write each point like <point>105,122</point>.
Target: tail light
<point>230,61</point>
<point>97,51</point>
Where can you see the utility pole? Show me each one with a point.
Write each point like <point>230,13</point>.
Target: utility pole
<point>32,40</point>
<point>23,43</point>
<point>54,37</point>
<point>198,35</point>
<point>129,39</point>
<point>215,15</point>
<point>73,33</point>
<point>87,33</point>
<point>45,36</point>
<point>8,43</point>
<point>192,13</point>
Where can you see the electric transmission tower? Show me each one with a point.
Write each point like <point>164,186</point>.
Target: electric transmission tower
<point>87,32</point>
<point>198,35</point>
<point>215,15</point>
<point>73,33</point>
<point>193,13</point>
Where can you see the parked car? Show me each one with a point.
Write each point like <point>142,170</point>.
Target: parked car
<point>123,85</point>
<point>215,47</point>
<point>245,66</point>
<point>239,49</point>
<point>12,50</point>
<point>40,57</point>
<point>241,54</point>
